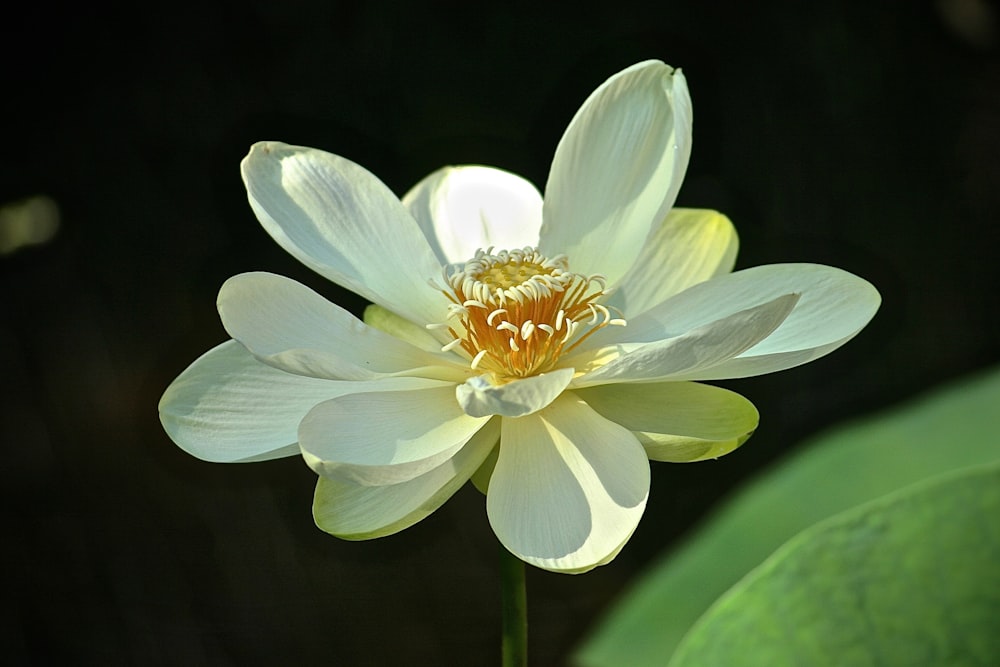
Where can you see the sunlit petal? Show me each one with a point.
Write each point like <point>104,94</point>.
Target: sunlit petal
<point>385,438</point>
<point>833,307</point>
<point>617,169</point>
<point>228,407</point>
<point>569,487</point>
<point>287,325</point>
<point>693,353</point>
<point>677,421</point>
<point>479,397</point>
<point>356,512</point>
<point>341,221</point>
<point>690,246</point>
<point>463,209</point>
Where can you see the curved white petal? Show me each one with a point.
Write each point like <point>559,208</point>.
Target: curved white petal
<point>462,209</point>
<point>228,407</point>
<point>690,246</point>
<point>677,421</point>
<point>355,512</point>
<point>617,170</point>
<point>287,325</point>
<point>341,221</point>
<point>480,398</point>
<point>385,438</point>
<point>569,487</point>
<point>693,353</point>
<point>833,307</point>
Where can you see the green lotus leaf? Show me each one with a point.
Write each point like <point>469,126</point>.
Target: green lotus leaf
<point>909,579</point>
<point>949,429</point>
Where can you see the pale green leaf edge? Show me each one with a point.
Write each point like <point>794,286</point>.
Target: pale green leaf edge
<point>725,634</point>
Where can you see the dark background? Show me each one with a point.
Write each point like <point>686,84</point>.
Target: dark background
<point>863,135</point>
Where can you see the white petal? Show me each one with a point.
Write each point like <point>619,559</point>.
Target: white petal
<point>287,325</point>
<point>692,354</point>
<point>345,224</point>
<point>355,512</point>
<point>569,487</point>
<point>228,407</point>
<point>463,209</point>
<point>378,439</point>
<point>479,397</point>
<point>689,247</point>
<point>617,170</point>
<point>677,421</point>
<point>833,307</point>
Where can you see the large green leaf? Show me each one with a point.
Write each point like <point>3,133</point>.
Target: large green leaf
<point>948,430</point>
<point>910,579</point>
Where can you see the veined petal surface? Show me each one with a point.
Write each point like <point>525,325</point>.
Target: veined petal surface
<point>690,354</point>
<point>690,246</point>
<point>678,422</point>
<point>287,325</point>
<point>568,488</point>
<point>386,438</point>
<point>833,307</point>
<point>617,170</point>
<point>356,512</point>
<point>462,209</point>
<point>228,407</point>
<point>479,397</point>
<point>344,223</point>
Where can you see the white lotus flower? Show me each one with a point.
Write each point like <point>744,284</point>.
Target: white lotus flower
<point>551,346</point>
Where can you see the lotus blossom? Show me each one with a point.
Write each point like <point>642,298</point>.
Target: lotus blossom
<point>547,349</point>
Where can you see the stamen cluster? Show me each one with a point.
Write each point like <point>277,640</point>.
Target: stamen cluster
<point>516,312</point>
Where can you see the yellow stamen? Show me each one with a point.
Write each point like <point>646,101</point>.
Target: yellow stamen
<point>503,303</point>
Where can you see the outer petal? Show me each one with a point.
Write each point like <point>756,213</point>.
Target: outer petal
<point>356,512</point>
<point>345,224</point>
<point>617,169</point>
<point>228,407</point>
<point>287,325</point>
<point>833,307</point>
<point>463,209</point>
<point>677,421</point>
<point>689,247</point>
<point>569,487</point>
<point>385,438</point>
<point>480,398</point>
<point>691,354</point>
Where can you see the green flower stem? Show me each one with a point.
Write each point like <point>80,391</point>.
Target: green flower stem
<point>514,610</point>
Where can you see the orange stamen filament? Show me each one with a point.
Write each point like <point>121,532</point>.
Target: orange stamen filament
<point>517,312</point>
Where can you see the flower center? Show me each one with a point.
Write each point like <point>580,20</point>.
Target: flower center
<point>516,312</point>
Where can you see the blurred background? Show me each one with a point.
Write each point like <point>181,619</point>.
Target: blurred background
<point>859,134</point>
